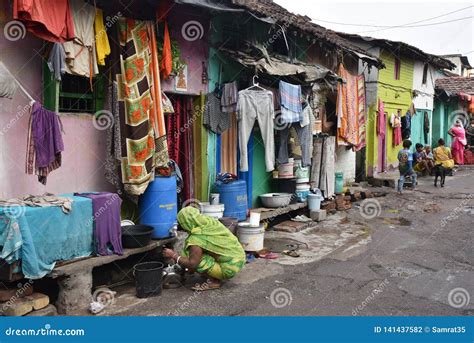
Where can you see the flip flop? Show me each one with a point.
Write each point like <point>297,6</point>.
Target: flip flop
<point>292,253</point>
<point>267,255</point>
<point>206,287</point>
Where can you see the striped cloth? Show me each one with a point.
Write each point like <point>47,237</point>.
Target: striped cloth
<point>362,111</point>
<point>291,109</point>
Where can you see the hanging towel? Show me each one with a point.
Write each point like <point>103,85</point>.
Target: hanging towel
<point>51,22</point>
<point>102,45</point>
<point>166,66</point>
<point>81,57</point>
<point>230,96</point>
<point>57,61</point>
<point>290,100</point>
<point>44,143</point>
<point>8,84</point>
<point>290,96</point>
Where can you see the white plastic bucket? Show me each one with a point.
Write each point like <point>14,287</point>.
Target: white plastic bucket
<point>285,170</point>
<point>250,237</point>
<point>302,174</point>
<point>314,201</point>
<point>302,191</point>
<point>216,211</point>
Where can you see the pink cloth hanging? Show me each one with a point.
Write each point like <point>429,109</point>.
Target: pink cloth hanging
<point>381,119</point>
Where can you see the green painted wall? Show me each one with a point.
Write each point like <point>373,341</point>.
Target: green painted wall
<point>417,127</point>
<point>261,182</point>
<point>371,139</point>
<point>443,116</point>
<point>396,94</point>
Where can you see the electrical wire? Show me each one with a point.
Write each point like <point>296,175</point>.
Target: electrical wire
<point>411,26</point>
<point>393,26</point>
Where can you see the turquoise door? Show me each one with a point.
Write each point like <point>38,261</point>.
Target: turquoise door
<point>421,127</point>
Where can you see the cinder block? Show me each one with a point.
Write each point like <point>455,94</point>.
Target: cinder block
<point>18,307</point>
<point>39,300</point>
<point>318,215</point>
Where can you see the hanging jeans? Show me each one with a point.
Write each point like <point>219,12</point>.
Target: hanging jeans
<point>305,139</point>
<point>256,105</point>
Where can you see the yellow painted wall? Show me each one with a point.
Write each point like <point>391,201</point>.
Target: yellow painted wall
<point>396,94</point>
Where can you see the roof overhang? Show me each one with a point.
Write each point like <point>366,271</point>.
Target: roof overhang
<point>274,66</point>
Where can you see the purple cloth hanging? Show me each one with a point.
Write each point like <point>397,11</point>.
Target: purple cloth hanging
<point>107,229</point>
<point>46,135</point>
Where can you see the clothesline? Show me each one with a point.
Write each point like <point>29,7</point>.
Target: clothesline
<point>18,83</point>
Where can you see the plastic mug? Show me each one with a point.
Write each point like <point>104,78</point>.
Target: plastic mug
<point>254,219</point>
<point>214,198</point>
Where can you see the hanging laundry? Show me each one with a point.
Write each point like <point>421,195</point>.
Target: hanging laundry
<point>44,143</point>
<point>323,169</point>
<point>57,61</point>
<point>361,111</point>
<point>381,127</point>
<point>256,105</point>
<point>426,126</point>
<point>406,125</point>
<point>107,229</point>
<point>180,142</point>
<point>306,115</point>
<point>229,140</point>
<point>81,57</point>
<point>102,45</point>
<point>142,145</point>
<point>166,66</point>
<point>214,119</point>
<point>347,108</point>
<point>305,138</point>
<point>395,122</point>
<point>8,85</point>
<point>230,96</point>
<point>290,100</point>
<point>50,22</point>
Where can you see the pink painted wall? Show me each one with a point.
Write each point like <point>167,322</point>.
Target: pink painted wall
<point>82,168</point>
<point>194,52</point>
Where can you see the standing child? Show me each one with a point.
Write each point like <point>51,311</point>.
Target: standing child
<point>405,165</point>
